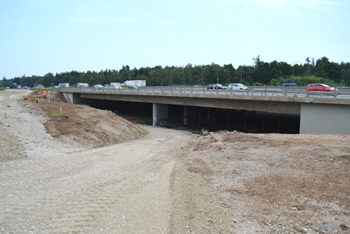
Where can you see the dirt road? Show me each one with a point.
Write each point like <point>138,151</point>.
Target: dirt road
<point>132,187</point>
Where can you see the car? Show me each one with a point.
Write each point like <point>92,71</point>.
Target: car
<point>288,85</point>
<point>98,86</point>
<point>237,86</point>
<point>320,87</point>
<point>216,86</point>
<point>133,87</point>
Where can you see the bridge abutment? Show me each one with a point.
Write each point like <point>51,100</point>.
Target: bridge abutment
<point>324,119</point>
<point>73,98</point>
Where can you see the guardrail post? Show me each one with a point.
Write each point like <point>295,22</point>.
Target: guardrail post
<point>335,92</point>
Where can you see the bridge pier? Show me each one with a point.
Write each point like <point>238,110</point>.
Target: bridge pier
<point>324,119</point>
<point>160,115</point>
<point>186,115</point>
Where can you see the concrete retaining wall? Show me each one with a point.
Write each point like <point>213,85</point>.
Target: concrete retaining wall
<point>326,119</point>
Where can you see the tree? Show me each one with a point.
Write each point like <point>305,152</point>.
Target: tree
<point>261,71</point>
<point>321,67</point>
<point>345,76</point>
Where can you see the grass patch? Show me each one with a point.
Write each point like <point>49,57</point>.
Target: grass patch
<point>145,122</point>
<point>145,132</point>
<point>58,114</point>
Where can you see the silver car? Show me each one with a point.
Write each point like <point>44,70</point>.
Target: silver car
<point>237,86</point>
<point>98,86</point>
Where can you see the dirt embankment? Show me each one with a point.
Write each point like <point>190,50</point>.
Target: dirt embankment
<point>83,124</point>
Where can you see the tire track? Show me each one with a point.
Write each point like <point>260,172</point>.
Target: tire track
<point>112,189</point>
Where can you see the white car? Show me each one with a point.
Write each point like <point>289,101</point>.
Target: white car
<point>237,86</point>
<point>98,86</point>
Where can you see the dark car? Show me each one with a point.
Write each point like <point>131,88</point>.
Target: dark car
<point>216,86</point>
<point>288,85</point>
<point>133,87</point>
<point>320,87</point>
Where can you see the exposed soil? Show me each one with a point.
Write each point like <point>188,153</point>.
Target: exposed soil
<point>105,174</point>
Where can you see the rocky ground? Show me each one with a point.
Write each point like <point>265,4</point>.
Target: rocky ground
<point>90,171</point>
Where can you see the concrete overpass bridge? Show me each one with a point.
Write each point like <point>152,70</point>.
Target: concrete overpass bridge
<point>318,112</point>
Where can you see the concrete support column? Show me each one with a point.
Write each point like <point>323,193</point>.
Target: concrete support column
<point>324,119</point>
<point>160,115</point>
<point>186,115</point>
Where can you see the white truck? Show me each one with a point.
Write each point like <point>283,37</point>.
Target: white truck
<point>64,85</point>
<point>138,83</point>
<point>82,85</point>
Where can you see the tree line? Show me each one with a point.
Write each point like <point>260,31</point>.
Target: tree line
<point>260,73</point>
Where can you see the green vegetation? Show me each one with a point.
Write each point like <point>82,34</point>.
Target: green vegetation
<point>58,114</point>
<point>145,122</point>
<point>261,73</point>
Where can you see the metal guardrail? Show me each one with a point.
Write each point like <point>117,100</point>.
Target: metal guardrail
<point>257,91</point>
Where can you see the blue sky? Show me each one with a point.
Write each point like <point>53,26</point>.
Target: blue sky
<point>42,36</point>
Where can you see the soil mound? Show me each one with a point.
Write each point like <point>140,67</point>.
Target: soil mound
<point>85,125</point>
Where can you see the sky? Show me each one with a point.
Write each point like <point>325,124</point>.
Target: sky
<point>42,36</point>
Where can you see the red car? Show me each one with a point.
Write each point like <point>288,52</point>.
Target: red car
<point>320,87</point>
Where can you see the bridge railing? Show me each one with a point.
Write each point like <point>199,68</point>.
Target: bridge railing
<point>256,91</point>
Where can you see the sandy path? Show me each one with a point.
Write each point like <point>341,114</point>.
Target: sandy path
<point>132,187</point>
<point>117,189</point>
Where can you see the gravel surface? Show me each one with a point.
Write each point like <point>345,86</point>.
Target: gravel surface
<point>133,187</point>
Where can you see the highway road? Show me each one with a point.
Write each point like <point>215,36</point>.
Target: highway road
<point>343,93</point>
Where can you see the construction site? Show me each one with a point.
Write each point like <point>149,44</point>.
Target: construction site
<point>76,169</point>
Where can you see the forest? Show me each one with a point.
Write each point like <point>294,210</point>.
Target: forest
<point>260,73</point>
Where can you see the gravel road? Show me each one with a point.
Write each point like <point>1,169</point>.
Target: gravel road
<point>132,187</point>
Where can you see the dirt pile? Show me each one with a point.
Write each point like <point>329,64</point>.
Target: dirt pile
<point>278,182</point>
<point>83,124</point>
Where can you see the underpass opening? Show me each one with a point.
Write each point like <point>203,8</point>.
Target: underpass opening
<point>215,119</point>
<point>212,119</point>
